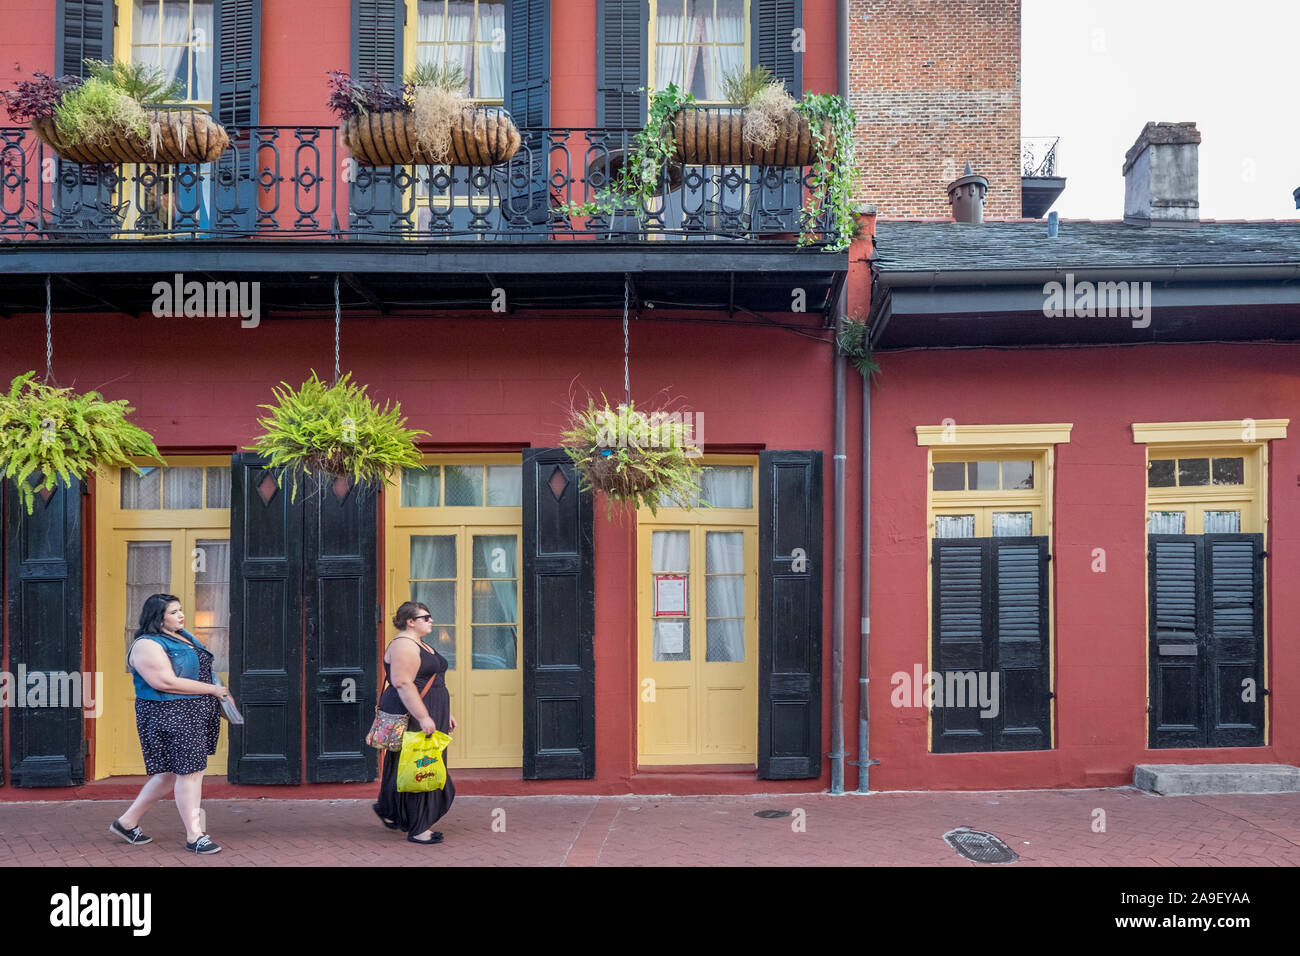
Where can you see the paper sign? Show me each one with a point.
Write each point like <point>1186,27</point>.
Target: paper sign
<point>670,595</point>
<point>672,637</point>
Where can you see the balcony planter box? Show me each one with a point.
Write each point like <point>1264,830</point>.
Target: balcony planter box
<point>184,135</point>
<point>714,136</point>
<point>484,136</point>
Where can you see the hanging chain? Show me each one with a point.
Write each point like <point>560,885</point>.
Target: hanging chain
<point>49,336</point>
<point>337,322</point>
<point>627,297</point>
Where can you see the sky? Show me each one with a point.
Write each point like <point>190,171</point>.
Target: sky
<point>1094,72</point>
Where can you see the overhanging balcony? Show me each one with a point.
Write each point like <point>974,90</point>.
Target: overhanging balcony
<point>1040,186</point>
<point>287,205</point>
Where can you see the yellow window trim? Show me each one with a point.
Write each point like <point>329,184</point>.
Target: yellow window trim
<point>710,516</point>
<point>994,435</point>
<point>1197,432</point>
<point>410,47</point>
<point>653,41</point>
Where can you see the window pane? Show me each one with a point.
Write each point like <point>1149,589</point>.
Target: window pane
<point>724,552</point>
<point>954,526</point>
<point>1010,524</point>
<point>1193,471</point>
<point>1223,522</point>
<point>724,640</point>
<point>491,67</point>
<point>494,649</point>
<point>182,488</point>
<point>982,475</point>
<point>141,492</point>
<point>672,639</point>
<point>440,596</point>
<point>212,599</point>
<point>505,485</point>
<point>495,602</point>
<point>1017,475</point>
<point>949,476</point>
<point>494,555</point>
<point>1161,473</point>
<point>464,485</point>
<point>148,571</point>
<point>1229,471</point>
<point>422,487</point>
<point>202,36</point>
<point>218,487</point>
<point>433,556</point>
<point>670,552</point>
<point>1167,522</point>
<point>728,486</point>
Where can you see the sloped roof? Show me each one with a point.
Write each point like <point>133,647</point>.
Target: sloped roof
<point>904,246</point>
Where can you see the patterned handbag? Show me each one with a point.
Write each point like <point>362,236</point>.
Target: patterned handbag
<point>387,731</point>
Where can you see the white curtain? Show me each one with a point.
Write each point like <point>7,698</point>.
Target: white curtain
<point>460,32</point>
<point>202,50</point>
<point>148,571</point>
<point>668,49</point>
<point>211,614</point>
<point>1222,522</point>
<point>730,30</point>
<point>728,486</point>
<point>495,647</point>
<point>1011,524</point>
<point>491,63</point>
<point>434,556</point>
<point>218,489</point>
<point>141,492</point>
<point>174,28</point>
<point>1167,522</point>
<point>182,488</point>
<point>670,553</point>
<point>724,568</point>
<point>954,526</point>
<point>421,487</point>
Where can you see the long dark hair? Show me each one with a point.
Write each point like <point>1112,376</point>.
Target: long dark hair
<point>151,615</point>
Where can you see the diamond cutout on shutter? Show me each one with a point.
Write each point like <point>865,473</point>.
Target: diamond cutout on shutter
<point>558,483</point>
<point>341,487</point>
<point>45,494</point>
<point>267,487</point>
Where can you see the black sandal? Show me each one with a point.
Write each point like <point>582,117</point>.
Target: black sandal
<point>436,838</point>
<point>391,824</point>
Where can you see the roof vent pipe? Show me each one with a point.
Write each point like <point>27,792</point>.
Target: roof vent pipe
<point>1053,224</point>
<point>1296,193</point>
<point>967,196</point>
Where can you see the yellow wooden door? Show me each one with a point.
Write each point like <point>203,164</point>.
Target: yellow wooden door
<point>697,646</point>
<point>167,533</point>
<point>469,578</point>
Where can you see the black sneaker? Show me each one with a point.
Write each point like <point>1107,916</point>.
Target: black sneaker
<point>134,837</point>
<point>203,845</point>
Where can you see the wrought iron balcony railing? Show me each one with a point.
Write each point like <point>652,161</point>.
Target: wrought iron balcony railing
<point>299,181</point>
<point>1038,157</point>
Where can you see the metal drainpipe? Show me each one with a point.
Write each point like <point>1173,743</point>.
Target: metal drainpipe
<point>864,749</point>
<point>837,591</point>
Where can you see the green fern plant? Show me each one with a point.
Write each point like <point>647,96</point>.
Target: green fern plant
<point>854,344</point>
<point>739,86</point>
<point>63,436</point>
<point>143,82</point>
<point>635,459</point>
<point>335,430</point>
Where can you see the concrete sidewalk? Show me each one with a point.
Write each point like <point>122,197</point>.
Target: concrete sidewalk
<point>1046,828</point>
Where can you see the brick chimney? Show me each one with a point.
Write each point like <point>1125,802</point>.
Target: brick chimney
<point>1160,176</point>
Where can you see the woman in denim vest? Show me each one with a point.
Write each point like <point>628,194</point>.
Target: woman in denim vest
<point>176,714</point>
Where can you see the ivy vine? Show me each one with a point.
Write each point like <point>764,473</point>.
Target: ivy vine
<point>831,189</point>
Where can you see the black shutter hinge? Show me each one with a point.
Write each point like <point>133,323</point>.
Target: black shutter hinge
<point>379,614</point>
<point>85,746</point>
<point>1051,695</point>
<point>1263,554</point>
<point>1265,692</point>
<point>115,14</point>
<point>1149,708</point>
<point>1049,557</point>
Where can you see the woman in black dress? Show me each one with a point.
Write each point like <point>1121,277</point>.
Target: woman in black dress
<point>176,715</point>
<point>409,664</point>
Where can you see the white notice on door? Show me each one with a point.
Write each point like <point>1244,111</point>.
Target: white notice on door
<point>672,637</point>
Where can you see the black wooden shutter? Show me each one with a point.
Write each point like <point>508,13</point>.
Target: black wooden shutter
<point>237,50</point>
<point>1234,639</point>
<point>378,28</point>
<point>789,614</point>
<point>83,30</point>
<point>1174,563</point>
<point>266,625</point>
<point>340,605</point>
<point>1020,638</point>
<point>43,569</point>
<point>772,27</point>
<point>558,620</point>
<point>82,194</point>
<point>622,32</point>
<point>528,98</point>
<point>961,609</point>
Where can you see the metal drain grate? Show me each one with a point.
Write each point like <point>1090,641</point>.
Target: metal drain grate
<point>979,846</point>
<point>772,814</point>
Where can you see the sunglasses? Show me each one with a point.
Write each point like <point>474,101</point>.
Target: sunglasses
<point>423,617</point>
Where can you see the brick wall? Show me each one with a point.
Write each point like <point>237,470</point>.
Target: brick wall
<point>934,84</point>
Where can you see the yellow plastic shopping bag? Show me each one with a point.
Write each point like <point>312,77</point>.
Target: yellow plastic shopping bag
<point>421,768</point>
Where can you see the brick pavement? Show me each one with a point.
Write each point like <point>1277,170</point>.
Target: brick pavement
<point>1047,828</point>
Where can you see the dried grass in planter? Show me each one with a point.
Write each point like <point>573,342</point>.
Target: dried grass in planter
<point>183,135</point>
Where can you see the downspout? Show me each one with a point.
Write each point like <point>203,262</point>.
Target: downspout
<point>864,598</point>
<point>837,589</point>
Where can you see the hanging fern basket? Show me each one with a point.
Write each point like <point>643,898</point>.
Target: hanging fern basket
<point>337,431</point>
<point>180,135</point>
<point>715,136</point>
<point>51,436</point>
<point>482,136</point>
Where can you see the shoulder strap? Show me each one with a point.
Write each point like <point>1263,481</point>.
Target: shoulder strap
<point>432,678</point>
